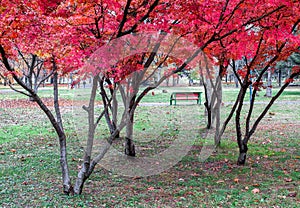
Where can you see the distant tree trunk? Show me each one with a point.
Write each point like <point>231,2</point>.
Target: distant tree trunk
<point>279,77</point>
<point>269,84</point>
<point>106,102</point>
<point>236,81</point>
<point>213,99</point>
<point>174,81</point>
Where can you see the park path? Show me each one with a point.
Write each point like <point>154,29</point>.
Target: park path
<point>280,102</point>
<point>24,103</point>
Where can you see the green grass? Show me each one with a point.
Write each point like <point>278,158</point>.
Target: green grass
<point>229,94</point>
<point>30,171</point>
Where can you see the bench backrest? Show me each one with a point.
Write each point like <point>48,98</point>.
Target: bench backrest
<point>186,94</point>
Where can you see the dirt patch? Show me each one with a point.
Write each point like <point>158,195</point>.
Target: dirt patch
<point>25,103</point>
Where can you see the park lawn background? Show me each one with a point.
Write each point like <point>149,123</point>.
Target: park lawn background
<point>30,171</point>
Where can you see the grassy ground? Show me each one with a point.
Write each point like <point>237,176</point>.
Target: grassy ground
<point>30,172</point>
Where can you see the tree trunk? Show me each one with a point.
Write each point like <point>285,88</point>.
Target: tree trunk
<point>217,110</point>
<point>243,154</point>
<point>269,84</point>
<point>242,145</point>
<point>236,81</point>
<point>129,145</point>
<point>279,77</point>
<point>174,81</point>
<point>84,171</point>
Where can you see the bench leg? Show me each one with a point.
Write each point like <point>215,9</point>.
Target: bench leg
<point>199,101</point>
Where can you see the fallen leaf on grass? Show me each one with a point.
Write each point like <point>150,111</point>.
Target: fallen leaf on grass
<point>220,181</point>
<point>236,180</point>
<point>2,153</point>
<point>256,185</point>
<point>137,177</point>
<point>288,179</point>
<point>151,188</point>
<point>255,191</point>
<point>13,150</point>
<point>292,194</point>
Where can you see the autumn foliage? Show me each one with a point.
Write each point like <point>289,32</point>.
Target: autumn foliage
<point>66,33</point>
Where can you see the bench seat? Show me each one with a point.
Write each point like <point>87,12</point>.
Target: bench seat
<point>185,96</point>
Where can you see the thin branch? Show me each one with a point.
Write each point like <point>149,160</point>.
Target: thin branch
<point>260,117</point>
<point>14,89</point>
<point>124,19</point>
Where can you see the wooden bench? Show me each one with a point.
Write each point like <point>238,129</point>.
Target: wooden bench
<point>185,96</point>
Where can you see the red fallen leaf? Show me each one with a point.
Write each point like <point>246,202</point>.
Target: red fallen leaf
<point>151,188</point>
<point>288,179</point>
<point>153,93</point>
<point>292,194</point>
<point>255,191</point>
<point>25,183</point>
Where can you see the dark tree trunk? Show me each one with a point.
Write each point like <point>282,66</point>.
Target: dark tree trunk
<point>129,147</point>
<point>129,144</point>
<point>243,154</point>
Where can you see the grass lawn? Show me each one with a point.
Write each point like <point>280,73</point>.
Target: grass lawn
<point>30,171</point>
